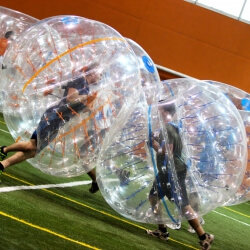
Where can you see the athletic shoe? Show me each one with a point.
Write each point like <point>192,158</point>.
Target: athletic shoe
<point>94,187</point>
<point>191,230</point>
<point>158,234</point>
<point>202,221</point>
<point>2,154</point>
<point>174,226</point>
<point>206,244</point>
<point>124,177</point>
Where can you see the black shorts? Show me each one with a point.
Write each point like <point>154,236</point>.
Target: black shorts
<point>163,186</point>
<point>34,136</point>
<point>181,175</point>
<point>51,121</point>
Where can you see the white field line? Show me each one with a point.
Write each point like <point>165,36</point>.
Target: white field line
<point>62,185</point>
<point>77,183</point>
<point>4,131</point>
<point>246,224</point>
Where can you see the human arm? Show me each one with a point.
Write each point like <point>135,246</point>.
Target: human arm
<point>157,142</point>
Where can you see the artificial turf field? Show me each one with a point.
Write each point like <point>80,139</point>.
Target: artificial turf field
<point>72,218</point>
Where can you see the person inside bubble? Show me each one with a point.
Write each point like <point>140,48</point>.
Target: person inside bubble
<point>76,98</point>
<point>4,42</point>
<point>162,184</point>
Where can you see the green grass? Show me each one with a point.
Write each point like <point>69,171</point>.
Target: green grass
<point>73,218</point>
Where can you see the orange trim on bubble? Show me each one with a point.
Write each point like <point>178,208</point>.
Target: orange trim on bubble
<point>52,153</point>
<point>92,115</point>
<point>56,52</point>
<point>63,148</point>
<point>75,145</point>
<point>18,139</point>
<point>41,156</point>
<point>67,52</point>
<point>20,70</point>
<point>73,111</point>
<point>60,115</point>
<point>30,63</point>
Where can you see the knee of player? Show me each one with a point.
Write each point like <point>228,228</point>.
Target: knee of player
<point>31,147</point>
<point>32,153</point>
<point>188,212</point>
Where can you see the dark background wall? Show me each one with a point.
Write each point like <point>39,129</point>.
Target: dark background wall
<point>176,34</point>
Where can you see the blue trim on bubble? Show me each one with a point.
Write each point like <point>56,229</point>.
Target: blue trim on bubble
<point>169,88</point>
<point>70,20</point>
<point>154,163</point>
<point>245,104</point>
<point>148,64</point>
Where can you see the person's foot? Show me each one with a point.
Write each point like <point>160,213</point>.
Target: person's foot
<point>124,177</point>
<point>174,226</point>
<point>2,154</point>
<point>158,234</point>
<point>206,244</point>
<point>94,187</point>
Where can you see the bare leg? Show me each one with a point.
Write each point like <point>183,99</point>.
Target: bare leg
<point>194,203</point>
<point>162,232</point>
<point>205,239</point>
<point>195,224</point>
<point>92,174</point>
<point>153,199</point>
<point>94,187</point>
<point>25,150</point>
<point>21,146</point>
<point>193,220</point>
<point>155,204</point>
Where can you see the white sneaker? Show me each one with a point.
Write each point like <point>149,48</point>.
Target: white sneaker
<point>174,226</point>
<point>191,230</point>
<point>202,221</point>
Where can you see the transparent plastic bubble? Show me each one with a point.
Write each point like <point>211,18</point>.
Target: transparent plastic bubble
<point>179,158</point>
<point>68,78</point>
<point>239,97</point>
<point>243,193</point>
<point>12,23</point>
<point>241,100</point>
<point>150,78</point>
